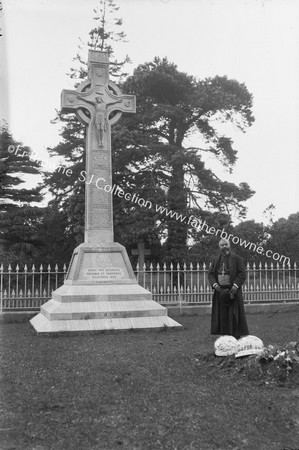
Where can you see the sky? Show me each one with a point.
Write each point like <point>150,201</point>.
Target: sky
<point>253,41</point>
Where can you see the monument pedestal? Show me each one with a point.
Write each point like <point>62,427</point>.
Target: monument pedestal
<point>100,293</point>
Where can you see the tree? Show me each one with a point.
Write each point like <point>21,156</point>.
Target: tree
<point>254,233</point>
<point>19,216</point>
<point>103,37</point>
<point>284,237</point>
<point>58,241</point>
<point>269,214</point>
<point>171,107</point>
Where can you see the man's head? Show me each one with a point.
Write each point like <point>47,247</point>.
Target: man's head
<point>224,246</point>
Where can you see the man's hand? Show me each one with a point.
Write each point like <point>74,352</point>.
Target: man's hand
<point>217,287</point>
<point>233,290</point>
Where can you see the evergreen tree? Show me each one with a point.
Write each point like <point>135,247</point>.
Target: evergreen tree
<point>171,107</point>
<point>19,216</point>
<point>58,241</point>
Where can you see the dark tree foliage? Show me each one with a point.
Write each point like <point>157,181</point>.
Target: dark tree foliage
<point>277,241</point>
<point>171,107</point>
<point>257,234</point>
<point>284,237</point>
<point>57,238</point>
<point>137,175</point>
<point>206,245</point>
<point>19,217</point>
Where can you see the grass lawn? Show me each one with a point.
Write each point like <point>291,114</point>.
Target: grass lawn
<point>144,390</point>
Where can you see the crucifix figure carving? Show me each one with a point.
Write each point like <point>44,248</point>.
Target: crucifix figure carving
<point>100,119</point>
<point>98,104</point>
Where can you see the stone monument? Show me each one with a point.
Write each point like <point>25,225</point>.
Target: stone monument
<point>100,291</point>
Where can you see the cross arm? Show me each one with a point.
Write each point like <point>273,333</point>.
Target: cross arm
<point>68,101</point>
<point>125,104</point>
<point>72,100</point>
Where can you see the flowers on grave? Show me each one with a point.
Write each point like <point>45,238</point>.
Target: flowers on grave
<point>284,358</point>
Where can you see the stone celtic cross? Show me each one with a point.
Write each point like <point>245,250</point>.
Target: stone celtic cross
<point>100,290</point>
<point>98,103</point>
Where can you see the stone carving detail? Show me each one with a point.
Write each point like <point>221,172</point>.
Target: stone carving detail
<point>100,97</point>
<point>100,72</point>
<point>99,159</point>
<point>71,98</point>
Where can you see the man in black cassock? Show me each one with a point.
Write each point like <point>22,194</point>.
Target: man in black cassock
<point>226,275</point>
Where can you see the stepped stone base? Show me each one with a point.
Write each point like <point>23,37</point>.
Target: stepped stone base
<point>44,325</point>
<point>90,301</point>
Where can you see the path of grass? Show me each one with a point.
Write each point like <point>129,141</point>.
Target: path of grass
<point>142,390</point>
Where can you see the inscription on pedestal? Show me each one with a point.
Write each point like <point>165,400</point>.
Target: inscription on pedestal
<point>103,266</point>
<point>104,273</point>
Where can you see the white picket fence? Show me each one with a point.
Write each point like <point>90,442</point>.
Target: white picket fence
<point>189,283</point>
<point>28,289</point>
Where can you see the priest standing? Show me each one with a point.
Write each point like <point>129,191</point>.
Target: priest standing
<point>226,275</point>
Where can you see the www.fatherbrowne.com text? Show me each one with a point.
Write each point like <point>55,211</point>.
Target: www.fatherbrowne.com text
<point>193,221</point>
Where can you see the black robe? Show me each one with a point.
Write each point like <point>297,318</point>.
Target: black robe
<point>228,315</point>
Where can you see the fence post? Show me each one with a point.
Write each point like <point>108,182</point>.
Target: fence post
<point>179,288</point>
